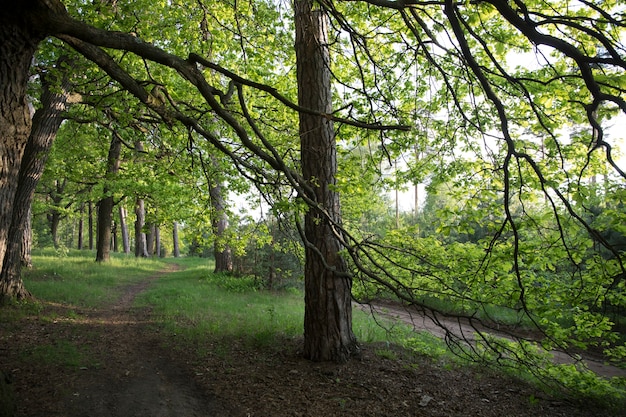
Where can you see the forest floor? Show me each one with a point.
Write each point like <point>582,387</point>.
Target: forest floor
<point>125,366</point>
<point>440,325</point>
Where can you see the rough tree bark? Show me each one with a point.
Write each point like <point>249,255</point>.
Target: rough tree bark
<point>18,40</point>
<point>46,123</point>
<point>328,334</point>
<point>105,205</point>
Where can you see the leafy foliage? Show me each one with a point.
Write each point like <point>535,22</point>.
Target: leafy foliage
<point>502,109</point>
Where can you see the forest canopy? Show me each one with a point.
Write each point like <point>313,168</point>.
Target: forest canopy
<point>504,115</point>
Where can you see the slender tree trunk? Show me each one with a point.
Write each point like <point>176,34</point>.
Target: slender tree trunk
<point>90,224</point>
<point>105,206</point>
<point>141,244</point>
<point>157,241</point>
<point>328,334</point>
<point>114,239</point>
<point>140,236</point>
<point>223,253</point>
<point>124,230</point>
<point>175,240</point>
<point>150,240</point>
<point>81,226</point>
<point>54,218</point>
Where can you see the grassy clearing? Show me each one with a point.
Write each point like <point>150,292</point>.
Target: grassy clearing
<point>75,279</point>
<point>193,303</point>
<point>199,306</point>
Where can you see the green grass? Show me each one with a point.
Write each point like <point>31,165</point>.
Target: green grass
<point>75,279</point>
<point>197,305</point>
<point>60,353</point>
<point>205,311</point>
<point>192,303</point>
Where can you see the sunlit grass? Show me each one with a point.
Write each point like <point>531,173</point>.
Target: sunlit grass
<point>198,306</point>
<point>194,304</point>
<point>74,278</point>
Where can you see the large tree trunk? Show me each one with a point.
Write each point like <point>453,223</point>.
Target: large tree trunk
<point>46,123</point>
<point>328,334</point>
<point>105,206</point>
<point>18,41</point>
<point>222,252</point>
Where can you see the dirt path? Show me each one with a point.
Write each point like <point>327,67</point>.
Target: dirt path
<point>441,325</point>
<point>143,381</point>
<point>128,374</point>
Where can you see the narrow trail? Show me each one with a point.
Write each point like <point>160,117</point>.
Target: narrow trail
<point>137,376</point>
<point>422,322</point>
<point>130,372</point>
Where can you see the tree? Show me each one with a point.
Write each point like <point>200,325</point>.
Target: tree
<point>46,122</point>
<point>74,176</point>
<point>222,251</point>
<point>175,241</point>
<point>106,204</point>
<point>81,227</point>
<point>124,229</point>
<point>328,315</point>
<point>19,42</point>
<point>407,63</point>
<point>141,245</point>
<point>510,118</point>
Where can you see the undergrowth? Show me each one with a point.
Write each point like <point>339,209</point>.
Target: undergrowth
<point>210,311</point>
